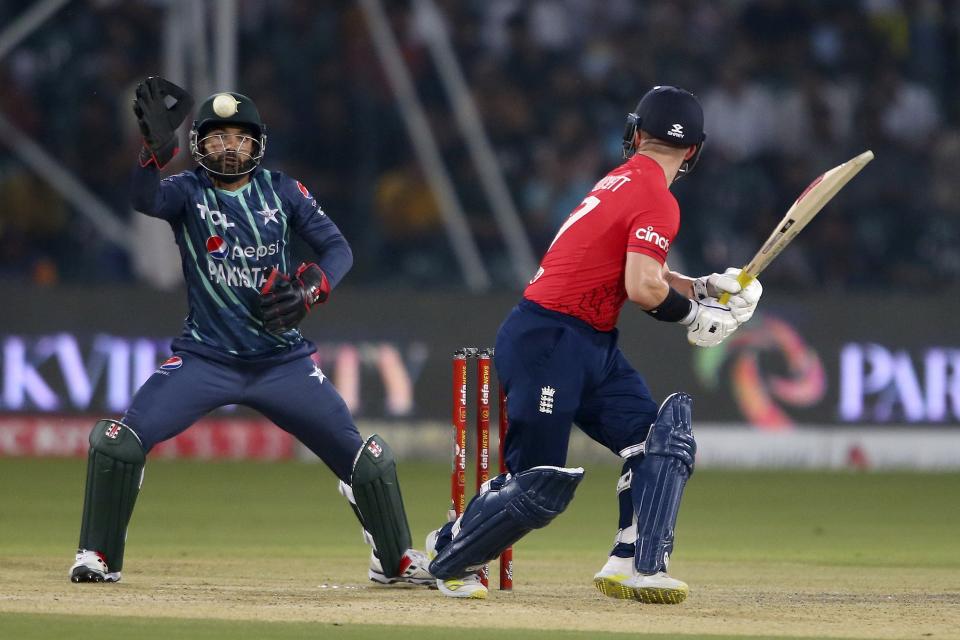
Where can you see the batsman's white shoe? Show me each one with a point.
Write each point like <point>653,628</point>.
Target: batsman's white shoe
<point>614,573</point>
<point>468,587</point>
<point>91,566</point>
<point>413,569</point>
<point>618,579</point>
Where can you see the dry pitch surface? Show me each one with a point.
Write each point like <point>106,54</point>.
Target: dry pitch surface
<point>810,555</point>
<point>751,601</point>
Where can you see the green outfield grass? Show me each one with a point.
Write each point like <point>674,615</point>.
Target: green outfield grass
<point>782,526</point>
<point>42,627</point>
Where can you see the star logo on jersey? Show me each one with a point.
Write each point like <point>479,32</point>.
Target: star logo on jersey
<point>318,374</point>
<point>269,215</point>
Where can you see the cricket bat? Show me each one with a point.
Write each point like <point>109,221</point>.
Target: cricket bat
<point>809,203</point>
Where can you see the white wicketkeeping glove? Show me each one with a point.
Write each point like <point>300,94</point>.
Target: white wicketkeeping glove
<point>743,303</point>
<point>711,323</point>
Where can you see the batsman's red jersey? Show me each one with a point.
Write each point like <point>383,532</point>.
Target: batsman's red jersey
<point>582,273</point>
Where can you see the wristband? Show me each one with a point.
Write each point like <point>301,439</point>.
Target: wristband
<point>676,307</point>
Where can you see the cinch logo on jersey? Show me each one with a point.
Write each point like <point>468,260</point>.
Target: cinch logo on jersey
<point>252,277</point>
<point>651,236</point>
<point>216,247</point>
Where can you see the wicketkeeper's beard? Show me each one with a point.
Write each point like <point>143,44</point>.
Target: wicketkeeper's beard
<point>229,164</point>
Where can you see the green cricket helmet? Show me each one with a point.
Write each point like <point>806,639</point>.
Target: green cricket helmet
<point>211,152</point>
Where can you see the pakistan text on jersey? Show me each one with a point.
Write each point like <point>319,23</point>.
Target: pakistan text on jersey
<point>252,277</point>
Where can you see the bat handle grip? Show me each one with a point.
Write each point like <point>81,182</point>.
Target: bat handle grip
<point>744,279</point>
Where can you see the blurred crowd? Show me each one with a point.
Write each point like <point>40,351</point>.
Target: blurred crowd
<point>790,89</point>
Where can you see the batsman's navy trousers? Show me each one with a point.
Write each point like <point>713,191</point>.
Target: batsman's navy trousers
<point>557,370</point>
<point>294,395</point>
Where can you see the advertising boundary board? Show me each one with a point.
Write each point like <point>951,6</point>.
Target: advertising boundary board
<point>720,446</point>
<point>803,360</point>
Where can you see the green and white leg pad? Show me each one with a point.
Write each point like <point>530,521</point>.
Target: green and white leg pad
<point>374,494</point>
<point>114,475</point>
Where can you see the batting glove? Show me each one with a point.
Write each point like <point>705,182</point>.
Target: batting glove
<point>744,303</point>
<point>709,323</point>
<point>716,284</point>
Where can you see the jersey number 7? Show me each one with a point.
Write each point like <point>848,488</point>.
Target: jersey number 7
<point>589,204</point>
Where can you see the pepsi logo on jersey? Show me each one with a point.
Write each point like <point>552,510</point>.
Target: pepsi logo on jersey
<point>216,247</point>
<point>173,362</point>
<point>260,251</point>
<point>170,364</point>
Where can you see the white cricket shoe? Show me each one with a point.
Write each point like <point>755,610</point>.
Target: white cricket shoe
<point>91,566</point>
<point>618,579</point>
<point>413,569</point>
<point>467,587</point>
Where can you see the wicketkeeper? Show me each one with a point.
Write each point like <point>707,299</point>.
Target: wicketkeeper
<point>559,363</point>
<point>240,343</point>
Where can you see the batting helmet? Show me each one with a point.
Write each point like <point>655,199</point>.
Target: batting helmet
<point>670,114</point>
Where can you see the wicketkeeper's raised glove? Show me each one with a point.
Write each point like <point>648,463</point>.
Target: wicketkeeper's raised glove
<point>158,122</point>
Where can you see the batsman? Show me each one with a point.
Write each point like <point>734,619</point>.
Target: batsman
<point>240,344</point>
<point>559,363</point>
